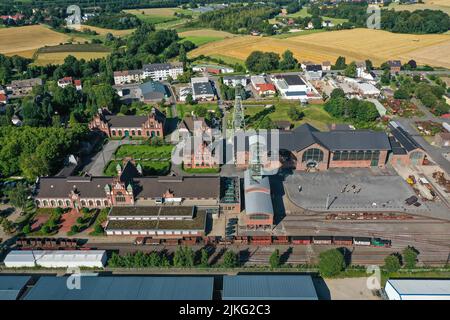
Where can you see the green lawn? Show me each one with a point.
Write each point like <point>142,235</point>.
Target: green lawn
<point>150,168</point>
<point>314,114</point>
<point>201,170</point>
<point>185,110</point>
<point>201,40</point>
<point>144,151</point>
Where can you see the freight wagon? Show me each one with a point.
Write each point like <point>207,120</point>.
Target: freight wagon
<point>322,240</point>
<point>360,241</point>
<point>343,240</point>
<point>301,240</point>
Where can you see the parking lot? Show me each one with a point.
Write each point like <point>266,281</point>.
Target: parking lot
<point>350,190</point>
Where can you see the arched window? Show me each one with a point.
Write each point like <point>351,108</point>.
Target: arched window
<point>38,203</point>
<point>105,203</point>
<point>133,132</point>
<point>91,203</point>
<point>120,197</point>
<point>68,203</point>
<point>45,203</point>
<point>60,203</point>
<point>83,203</point>
<point>120,132</point>
<point>53,203</point>
<point>312,154</point>
<point>139,132</point>
<point>113,132</point>
<point>99,203</point>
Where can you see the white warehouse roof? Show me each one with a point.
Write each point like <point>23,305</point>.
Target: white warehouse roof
<point>56,258</point>
<point>418,289</point>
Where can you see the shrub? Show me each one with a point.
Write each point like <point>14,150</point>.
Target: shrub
<point>331,263</point>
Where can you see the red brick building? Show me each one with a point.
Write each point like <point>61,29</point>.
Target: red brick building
<point>148,126</point>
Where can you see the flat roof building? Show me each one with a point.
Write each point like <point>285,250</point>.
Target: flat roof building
<point>268,287</point>
<point>56,258</point>
<point>12,287</point>
<point>124,288</point>
<point>418,289</point>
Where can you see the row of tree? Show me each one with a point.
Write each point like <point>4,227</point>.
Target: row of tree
<point>259,61</point>
<point>183,257</point>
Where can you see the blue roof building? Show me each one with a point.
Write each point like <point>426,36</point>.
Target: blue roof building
<point>268,287</point>
<point>124,288</point>
<point>11,287</point>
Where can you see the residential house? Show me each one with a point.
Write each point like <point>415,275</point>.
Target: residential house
<point>313,72</point>
<point>23,87</point>
<point>3,98</point>
<point>327,24</point>
<point>233,81</point>
<point>394,65</point>
<point>148,126</point>
<point>128,76</point>
<point>161,71</point>
<point>326,66</point>
<point>261,86</point>
<point>66,81</point>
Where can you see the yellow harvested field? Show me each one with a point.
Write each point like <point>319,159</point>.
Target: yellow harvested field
<point>443,5</point>
<point>26,40</point>
<point>355,44</point>
<point>58,57</point>
<point>103,31</point>
<point>206,33</point>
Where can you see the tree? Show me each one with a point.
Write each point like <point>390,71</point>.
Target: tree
<point>259,61</point>
<point>26,229</point>
<point>98,229</point>
<point>369,65</point>
<point>274,259</point>
<point>19,195</point>
<point>410,257</point>
<point>200,111</point>
<point>230,259</point>
<point>295,114</point>
<point>178,258</point>
<point>401,93</point>
<point>204,257</point>
<point>189,99</point>
<point>74,229</point>
<point>8,226</point>
<point>288,62</point>
<point>183,56</point>
<point>331,263</point>
<point>337,93</point>
<point>340,63</point>
<point>350,70</point>
<point>392,263</point>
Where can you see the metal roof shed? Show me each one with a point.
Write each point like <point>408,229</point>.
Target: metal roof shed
<point>268,287</point>
<point>418,289</point>
<point>20,259</point>
<point>124,288</point>
<point>12,286</point>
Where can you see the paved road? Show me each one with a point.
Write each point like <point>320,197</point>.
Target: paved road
<point>98,163</point>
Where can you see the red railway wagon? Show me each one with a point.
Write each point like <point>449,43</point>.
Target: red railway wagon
<point>260,240</point>
<point>189,241</point>
<point>343,240</point>
<point>171,242</point>
<point>280,240</point>
<point>301,240</point>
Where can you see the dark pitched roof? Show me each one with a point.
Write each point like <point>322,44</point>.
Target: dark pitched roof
<point>314,67</point>
<point>299,138</point>
<point>306,135</point>
<point>188,123</point>
<point>403,137</point>
<point>160,66</point>
<point>182,187</point>
<point>126,121</point>
<point>354,140</point>
<point>61,187</point>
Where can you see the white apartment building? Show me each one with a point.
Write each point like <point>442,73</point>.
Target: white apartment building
<point>161,71</point>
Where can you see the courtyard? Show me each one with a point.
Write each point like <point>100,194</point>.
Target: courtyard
<point>350,190</point>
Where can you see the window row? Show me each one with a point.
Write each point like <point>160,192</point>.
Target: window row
<point>356,155</point>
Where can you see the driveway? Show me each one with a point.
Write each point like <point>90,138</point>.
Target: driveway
<point>101,159</point>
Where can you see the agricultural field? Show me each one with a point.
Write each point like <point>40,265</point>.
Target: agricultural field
<point>443,5</point>
<point>161,16</point>
<point>315,115</point>
<point>57,54</point>
<point>303,13</point>
<point>356,44</point>
<point>204,36</point>
<point>24,41</point>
